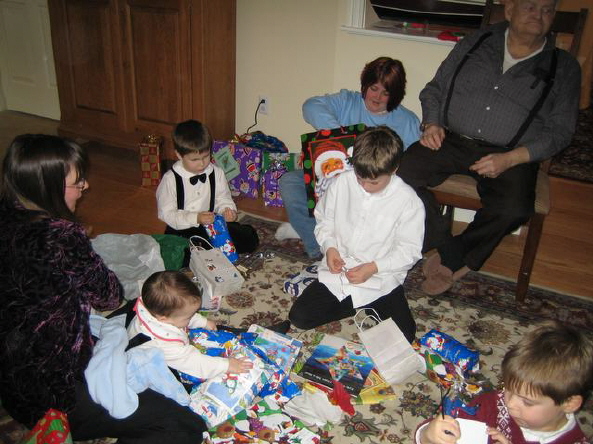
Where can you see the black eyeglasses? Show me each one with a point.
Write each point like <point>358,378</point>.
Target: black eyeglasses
<point>80,186</point>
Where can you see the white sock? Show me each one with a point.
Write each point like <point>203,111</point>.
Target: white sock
<point>285,231</point>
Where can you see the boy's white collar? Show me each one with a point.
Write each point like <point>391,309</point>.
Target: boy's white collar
<point>547,437</point>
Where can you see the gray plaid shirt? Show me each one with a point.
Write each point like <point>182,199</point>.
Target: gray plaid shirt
<point>489,105</point>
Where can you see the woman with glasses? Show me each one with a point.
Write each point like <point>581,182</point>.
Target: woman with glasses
<point>51,278</point>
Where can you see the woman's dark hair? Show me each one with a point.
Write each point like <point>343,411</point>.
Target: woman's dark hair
<point>34,172</point>
<point>388,72</point>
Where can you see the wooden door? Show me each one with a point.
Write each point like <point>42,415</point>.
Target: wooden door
<point>157,64</point>
<point>88,63</point>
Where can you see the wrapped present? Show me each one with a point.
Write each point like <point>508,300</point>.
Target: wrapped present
<point>291,161</point>
<point>224,396</point>
<point>257,139</point>
<point>221,238</point>
<point>325,154</point>
<point>53,428</point>
<point>270,185</point>
<point>150,160</point>
<point>249,160</point>
<point>449,363</point>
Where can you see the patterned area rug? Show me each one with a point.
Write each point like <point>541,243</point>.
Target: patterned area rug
<point>576,161</point>
<point>478,312</point>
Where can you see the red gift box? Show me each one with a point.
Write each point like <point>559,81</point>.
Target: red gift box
<point>150,160</point>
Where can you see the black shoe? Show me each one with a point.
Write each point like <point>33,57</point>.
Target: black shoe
<point>281,327</point>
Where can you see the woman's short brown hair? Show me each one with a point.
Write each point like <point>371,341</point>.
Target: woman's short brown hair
<point>164,292</point>
<point>388,72</point>
<point>554,360</point>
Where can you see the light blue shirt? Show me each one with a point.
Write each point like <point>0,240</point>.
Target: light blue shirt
<point>348,108</point>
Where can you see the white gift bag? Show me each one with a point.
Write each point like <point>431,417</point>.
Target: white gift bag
<point>214,274</point>
<point>387,346</point>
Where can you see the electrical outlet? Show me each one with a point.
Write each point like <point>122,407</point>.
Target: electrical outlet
<point>264,105</point>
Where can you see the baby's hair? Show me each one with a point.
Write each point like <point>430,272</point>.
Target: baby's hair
<point>164,292</point>
<point>191,136</point>
<point>377,151</point>
<point>553,360</point>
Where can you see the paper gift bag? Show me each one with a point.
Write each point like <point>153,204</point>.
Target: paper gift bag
<point>270,185</point>
<point>325,154</point>
<point>214,274</point>
<point>249,160</point>
<point>150,160</point>
<point>393,356</point>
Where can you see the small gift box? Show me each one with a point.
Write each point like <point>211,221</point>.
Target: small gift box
<point>150,162</point>
<point>291,161</point>
<point>249,160</point>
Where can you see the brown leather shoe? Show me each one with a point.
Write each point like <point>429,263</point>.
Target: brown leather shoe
<point>431,264</point>
<point>437,283</point>
<point>441,279</point>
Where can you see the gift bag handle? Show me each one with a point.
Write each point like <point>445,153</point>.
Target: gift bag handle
<point>199,247</point>
<point>358,324</point>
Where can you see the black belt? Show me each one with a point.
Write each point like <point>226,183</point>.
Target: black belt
<point>467,139</point>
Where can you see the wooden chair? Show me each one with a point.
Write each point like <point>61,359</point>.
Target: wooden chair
<point>459,191</point>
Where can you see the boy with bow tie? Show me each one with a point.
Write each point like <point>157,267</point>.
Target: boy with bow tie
<point>194,189</point>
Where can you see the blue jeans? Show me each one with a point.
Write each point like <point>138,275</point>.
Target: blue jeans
<point>294,195</point>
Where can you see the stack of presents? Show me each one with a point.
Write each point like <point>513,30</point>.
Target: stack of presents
<point>252,163</point>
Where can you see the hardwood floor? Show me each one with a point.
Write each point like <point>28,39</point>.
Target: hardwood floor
<point>116,203</point>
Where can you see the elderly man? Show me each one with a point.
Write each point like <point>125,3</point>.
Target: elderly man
<point>503,100</point>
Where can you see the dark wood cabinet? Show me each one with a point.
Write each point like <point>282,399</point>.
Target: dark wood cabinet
<point>129,68</point>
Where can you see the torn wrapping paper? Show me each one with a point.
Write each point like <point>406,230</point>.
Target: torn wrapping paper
<point>219,398</point>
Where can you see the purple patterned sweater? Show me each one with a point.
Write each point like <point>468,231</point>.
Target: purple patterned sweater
<point>50,277</point>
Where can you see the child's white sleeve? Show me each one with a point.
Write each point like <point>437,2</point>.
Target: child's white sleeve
<point>188,359</point>
<point>324,216</point>
<point>223,198</point>
<point>197,321</point>
<point>166,197</point>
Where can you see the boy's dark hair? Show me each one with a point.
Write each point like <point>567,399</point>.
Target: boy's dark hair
<point>191,136</point>
<point>553,360</point>
<point>34,172</point>
<point>388,72</point>
<point>164,292</point>
<point>377,151</point>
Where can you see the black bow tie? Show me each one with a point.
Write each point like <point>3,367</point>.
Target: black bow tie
<point>194,179</point>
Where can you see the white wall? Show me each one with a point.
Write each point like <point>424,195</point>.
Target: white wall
<point>289,51</point>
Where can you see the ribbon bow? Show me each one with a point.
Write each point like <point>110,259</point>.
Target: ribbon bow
<point>194,179</point>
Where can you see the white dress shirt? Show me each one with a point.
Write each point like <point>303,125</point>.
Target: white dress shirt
<point>385,227</point>
<point>197,197</point>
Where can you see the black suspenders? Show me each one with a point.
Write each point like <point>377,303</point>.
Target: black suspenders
<point>181,192</point>
<point>551,76</point>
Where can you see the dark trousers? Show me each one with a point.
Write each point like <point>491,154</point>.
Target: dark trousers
<point>158,420</point>
<point>318,306</point>
<point>244,238</point>
<point>507,200</point>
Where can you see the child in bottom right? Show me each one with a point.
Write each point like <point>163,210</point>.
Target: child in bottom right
<point>547,376</point>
